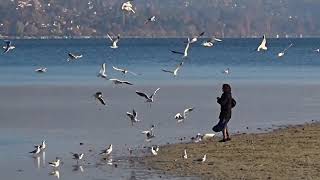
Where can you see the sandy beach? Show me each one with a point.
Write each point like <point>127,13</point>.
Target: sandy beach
<point>287,153</point>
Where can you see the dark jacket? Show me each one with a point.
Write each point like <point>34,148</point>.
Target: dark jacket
<point>227,103</point>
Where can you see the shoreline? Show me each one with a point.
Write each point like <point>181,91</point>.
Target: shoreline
<point>292,152</point>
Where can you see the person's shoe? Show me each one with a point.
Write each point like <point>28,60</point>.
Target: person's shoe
<point>228,139</point>
<point>223,140</point>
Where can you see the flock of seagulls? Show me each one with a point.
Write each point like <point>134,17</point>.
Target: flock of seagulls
<point>149,98</point>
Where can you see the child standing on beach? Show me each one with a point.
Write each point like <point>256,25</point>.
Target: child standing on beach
<point>227,103</point>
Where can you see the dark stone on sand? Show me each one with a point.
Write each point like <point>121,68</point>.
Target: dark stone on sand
<point>81,144</point>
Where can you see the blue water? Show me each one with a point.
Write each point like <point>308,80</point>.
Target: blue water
<point>149,56</point>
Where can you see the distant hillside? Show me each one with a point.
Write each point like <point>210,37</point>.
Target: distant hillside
<point>175,18</point>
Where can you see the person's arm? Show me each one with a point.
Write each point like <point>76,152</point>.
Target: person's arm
<point>223,100</point>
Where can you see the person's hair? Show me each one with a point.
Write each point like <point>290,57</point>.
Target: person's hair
<point>226,88</point>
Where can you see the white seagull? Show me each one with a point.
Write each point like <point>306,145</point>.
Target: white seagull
<point>42,146</point>
<point>317,50</point>
<point>55,163</point>
<point>280,54</point>
<point>148,98</point>
<point>149,133</point>
<point>181,117</point>
<point>8,47</point>
<point>99,97</point>
<point>124,71</point>
<point>195,38</point>
<point>175,71</point>
<point>73,57</point>
<point>133,116</point>
<point>114,41</point>
<point>127,6</point>
<point>185,53</point>
<point>185,155</point>
<point>150,19</point>
<point>107,151</point>
<point>41,70</point>
<point>36,151</point>
<point>77,156</point>
<point>226,71</point>
<point>210,42</point>
<point>118,81</point>
<point>102,72</point>
<point>263,46</point>
<point>154,151</point>
<point>203,159</point>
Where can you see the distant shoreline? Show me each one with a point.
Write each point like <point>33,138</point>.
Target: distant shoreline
<point>288,153</point>
<point>138,37</point>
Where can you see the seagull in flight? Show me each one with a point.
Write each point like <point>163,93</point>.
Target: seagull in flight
<point>149,133</point>
<point>175,71</point>
<point>117,81</point>
<point>77,156</point>
<point>123,71</point>
<point>41,70</point>
<point>226,71</point>
<point>114,41</point>
<point>73,57</point>
<point>102,72</point>
<point>148,98</point>
<point>107,151</point>
<point>185,53</point>
<point>99,97</point>
<point>195,38</point>
<point>150,19</point>
<point>36,151</point>
<point>55,163</point>
<point>211,42</point>
<point>127,6</point>
<point>280,54</point>
<point>8,47</point>
<point>133,116</point>
<point>263,46</point>
<point>181,117</point>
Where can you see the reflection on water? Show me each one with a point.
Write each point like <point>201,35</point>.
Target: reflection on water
<point>36,161</point>
<point>55,173</point>
<point>78,168</point>
<point>43,159</point>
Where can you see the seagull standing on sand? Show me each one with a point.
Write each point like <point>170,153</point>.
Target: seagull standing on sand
<point>151,19</point>
<point>211,42</point>
<point>154,151</point>
<point>55,163</point>
<point>181,117</point>
<point>8,47</point>
<point>41,70</point>
<point>284,51</point>
<point>36,151</point>
<point>124,71</point>
<point>175,71</point>
<point>185,53</point>
<point>107,151</point>
<point>149,133</point>
<point>77,156</point>
<point>149,99</point>
<point>118,81</point>
<point>114,41</point>
<point>185,155</point>
<point>127,6</point>
<point>99,97</point>
<point>73,57</point>
<point>202,159</point>
<point>195,38</point>
<point>102,72</point>
<point>133,116</point>
<point>263,44</point>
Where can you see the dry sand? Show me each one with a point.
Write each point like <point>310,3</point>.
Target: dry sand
<point>289,153</point>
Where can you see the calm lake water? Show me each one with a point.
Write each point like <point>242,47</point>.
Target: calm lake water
<point>58,105</point>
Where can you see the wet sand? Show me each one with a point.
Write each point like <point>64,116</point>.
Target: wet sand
<point>288,153</point>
